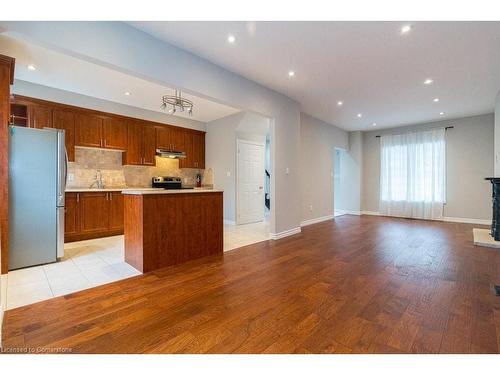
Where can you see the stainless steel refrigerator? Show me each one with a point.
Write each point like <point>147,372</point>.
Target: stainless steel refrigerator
<point>37,181</point>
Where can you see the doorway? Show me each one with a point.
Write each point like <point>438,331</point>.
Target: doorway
<point>338,193</point>
<point>250,175</point>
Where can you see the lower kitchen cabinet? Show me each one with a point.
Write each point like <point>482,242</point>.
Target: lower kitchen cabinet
<point>93,215</point>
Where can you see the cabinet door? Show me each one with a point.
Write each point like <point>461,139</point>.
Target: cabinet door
<point>114,133</point>
<point>40,117</point>
<point>71,217</point>
<point>88,130</point>
<point>188,162</point>
<point>66,121</point>
<point>177,139</point>
<point>116,211</point>
<point>133,156</point>
<point>94,212</point>
<point>199,150</point>
<point>163,139</point>
<point>149,145</point>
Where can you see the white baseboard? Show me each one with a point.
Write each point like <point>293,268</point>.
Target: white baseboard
<point>286,233</point>
<point>373,213</point>
<point>316,220</point>
<point>229,222</point>
<point>347,212</point>
<point>446,218</point>
<point>467,220</point>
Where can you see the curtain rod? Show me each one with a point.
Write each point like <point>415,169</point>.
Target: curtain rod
<point>446,128</point>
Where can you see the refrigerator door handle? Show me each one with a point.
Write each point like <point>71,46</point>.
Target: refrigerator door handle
<point>62,173</point>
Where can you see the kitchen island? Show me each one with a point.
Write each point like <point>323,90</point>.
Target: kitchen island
<point>167,227</point>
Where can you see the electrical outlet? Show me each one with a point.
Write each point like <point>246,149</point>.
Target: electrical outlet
<point>228,173</point>
<point>287,170</point>
<point>71,177</point>
<point>310,207</point>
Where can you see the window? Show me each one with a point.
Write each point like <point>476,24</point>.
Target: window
<point>412,175</point>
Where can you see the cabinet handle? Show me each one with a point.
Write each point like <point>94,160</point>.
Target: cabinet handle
<point>110,196</point>
<point>104,143</point>
<point>77,197</point>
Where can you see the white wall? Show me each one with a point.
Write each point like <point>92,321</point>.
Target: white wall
<point>66,97</point>
<point>497,136</point>
<point>469,154</point>
<point>350,181</point>
<point>318,141</point>
<point>119,46</point>
<point>220,145</point>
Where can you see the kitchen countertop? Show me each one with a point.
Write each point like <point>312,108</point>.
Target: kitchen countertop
<point>85,190</point>
<point>173,191</point>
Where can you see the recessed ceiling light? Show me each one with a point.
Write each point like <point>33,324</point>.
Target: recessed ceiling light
<point>405,29</point>
<point>127,93</point>
<point>441,113</point>
<point>340,102</point>
<point>31,67</point>
<point>374,124</point>
<point>359,115</point>
<point>428,81</point>
<point>231,38</point>
<point>435,100</point>
<point>291,73</point>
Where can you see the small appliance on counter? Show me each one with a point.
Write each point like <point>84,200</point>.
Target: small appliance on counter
<point>166,182</point>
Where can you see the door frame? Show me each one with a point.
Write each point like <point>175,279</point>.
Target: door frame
<point>238,142</point>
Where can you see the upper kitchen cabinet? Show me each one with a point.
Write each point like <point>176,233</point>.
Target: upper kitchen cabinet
<point>65,120</point>
<point>96,131</point>
<point>114,133</point>
<point>199,150</point>
<point>194,147</point>
<point>88,130</point>
<point>170,138</point>
<point>141,144</point>
<point>40,116</point>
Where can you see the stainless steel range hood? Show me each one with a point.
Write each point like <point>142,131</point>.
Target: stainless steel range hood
<point>171,154</point>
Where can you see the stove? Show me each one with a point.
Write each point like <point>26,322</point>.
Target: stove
<point>167,182</point>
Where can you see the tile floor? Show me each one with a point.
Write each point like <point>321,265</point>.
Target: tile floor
<point>95,262</point>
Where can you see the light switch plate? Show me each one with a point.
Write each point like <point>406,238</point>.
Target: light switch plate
<point>228,173</point>
<point>71,177</point>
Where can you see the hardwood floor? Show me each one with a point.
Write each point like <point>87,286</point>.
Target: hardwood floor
<point>353,285</point>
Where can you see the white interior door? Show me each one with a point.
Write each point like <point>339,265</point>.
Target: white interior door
<point>250,182</point>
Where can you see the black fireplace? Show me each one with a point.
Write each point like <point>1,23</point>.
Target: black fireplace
<point>495,221</point>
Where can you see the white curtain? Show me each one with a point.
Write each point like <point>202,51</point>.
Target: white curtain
<point>412,175</point>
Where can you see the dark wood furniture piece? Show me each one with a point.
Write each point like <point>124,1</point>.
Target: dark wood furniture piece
<point>93,215</point>
<point>6,79</point>
<point>162,229</point>
<point>89,128</point>
<point>495,219</point>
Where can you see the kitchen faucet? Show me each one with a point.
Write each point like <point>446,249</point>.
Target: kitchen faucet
<point>98,180</point>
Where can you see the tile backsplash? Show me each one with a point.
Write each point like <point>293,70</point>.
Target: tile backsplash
<point>114,174</point>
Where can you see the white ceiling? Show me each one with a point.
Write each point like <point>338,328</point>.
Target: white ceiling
<point>370,66</point>
<point>68,73</point>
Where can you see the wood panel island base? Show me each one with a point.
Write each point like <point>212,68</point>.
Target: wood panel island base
<point>163,228</point>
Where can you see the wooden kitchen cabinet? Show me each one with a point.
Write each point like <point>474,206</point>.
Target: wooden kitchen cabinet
<point>40,117</point>
<point>115,211</point>
<point>170,138</point>
<point>141,144</point>
<point>194,147</point>
<point>88,130</point>
<point>199,150</point>
<point>93,215</point>
<point>71,217</point>
<point>65,120</point>
<point>114,133</point>
<point>94,212</point>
